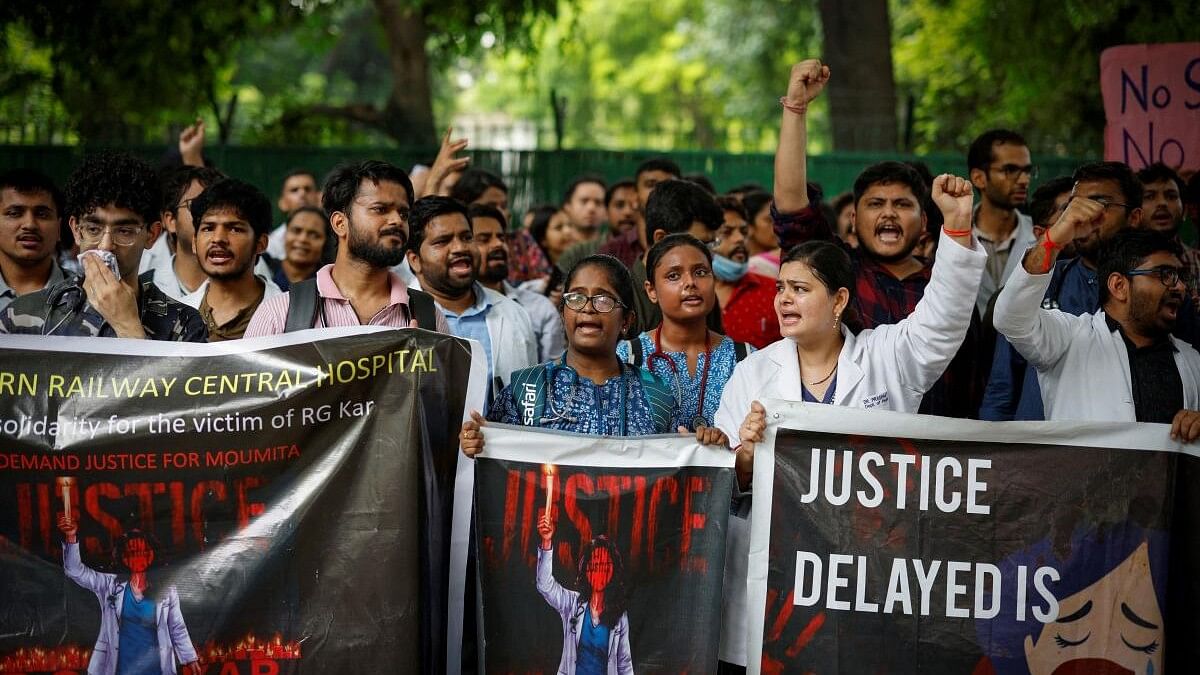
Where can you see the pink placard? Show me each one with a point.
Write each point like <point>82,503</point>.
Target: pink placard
<point>1152,104</point>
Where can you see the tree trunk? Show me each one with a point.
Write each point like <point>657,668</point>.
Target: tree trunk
<point>408,115</point>
<point>862,90</point>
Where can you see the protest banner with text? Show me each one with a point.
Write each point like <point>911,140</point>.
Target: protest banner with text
<point>890,543</point>
<point>600,553</point>
<point>260,506</point>
<point>1152,103</point>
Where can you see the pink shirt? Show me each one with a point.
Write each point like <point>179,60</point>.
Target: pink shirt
<point>271,316</point>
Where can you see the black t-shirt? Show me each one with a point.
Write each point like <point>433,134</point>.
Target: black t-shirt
<point>1154,377</point>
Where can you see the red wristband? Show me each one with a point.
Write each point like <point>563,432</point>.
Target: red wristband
<point>791,107</point>
<point>956,233</point>
<point>1050,248</point>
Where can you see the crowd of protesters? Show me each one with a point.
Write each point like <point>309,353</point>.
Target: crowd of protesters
<point>651,304</point>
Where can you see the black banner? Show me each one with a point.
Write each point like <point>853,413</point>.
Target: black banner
<point>976,551</point>
<point>257,507</point>
<point>626,577</point>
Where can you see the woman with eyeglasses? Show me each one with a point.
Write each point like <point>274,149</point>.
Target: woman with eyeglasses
<point>589,390</point>
<point>696,362</point>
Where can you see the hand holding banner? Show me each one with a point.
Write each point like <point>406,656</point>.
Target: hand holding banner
<point>627,577</point>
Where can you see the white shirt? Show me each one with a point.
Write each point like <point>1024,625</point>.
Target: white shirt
<point>547,322</point>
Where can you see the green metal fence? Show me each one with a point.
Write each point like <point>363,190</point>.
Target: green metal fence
<point>533,176</point>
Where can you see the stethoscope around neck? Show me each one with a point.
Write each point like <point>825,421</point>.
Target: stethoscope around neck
<point>565,415</point>
<point>698,420</point>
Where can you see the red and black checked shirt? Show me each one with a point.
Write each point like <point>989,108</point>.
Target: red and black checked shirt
<point>881,298</point>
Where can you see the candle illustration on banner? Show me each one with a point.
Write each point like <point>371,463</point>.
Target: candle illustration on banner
<point>64,485</point>
<point>548,471</point>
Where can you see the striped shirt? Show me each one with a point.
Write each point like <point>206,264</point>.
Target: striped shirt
<point>336,310</point>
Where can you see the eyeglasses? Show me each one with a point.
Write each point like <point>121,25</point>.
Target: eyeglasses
<point>122,235</point>
<point>1168,275</point>
<point>727,231</point>
<point>603,304</point>
<point>1012,171</point>
<point>1106,202</point>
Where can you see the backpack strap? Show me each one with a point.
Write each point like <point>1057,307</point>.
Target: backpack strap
<point>423,310</point>
<point>302,306</point>
<point>740,351</point>
<point>635,352</point>
<point>528,387</point>
<point>661,400</point>
<point>1050,300</point>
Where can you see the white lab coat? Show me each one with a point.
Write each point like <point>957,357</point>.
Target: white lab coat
<point>173,639</point>
<point>514,343</point>
<point>1082,366</point>
<point>889,367</point>
<point>571,611</point>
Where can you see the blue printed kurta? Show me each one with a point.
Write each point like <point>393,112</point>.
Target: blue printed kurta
<point>687,393</point>
<point>579,405</point>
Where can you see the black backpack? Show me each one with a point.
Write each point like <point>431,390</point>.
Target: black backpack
<point>305,304</point>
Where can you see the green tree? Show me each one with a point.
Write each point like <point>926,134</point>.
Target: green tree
<point>119,67</point>
<point>1032,66</point>
<point>667,74</point>
<point>413,36</point>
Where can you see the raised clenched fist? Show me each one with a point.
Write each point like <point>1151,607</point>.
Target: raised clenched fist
<point>954,197</point>
<point>807,80</point>
<point>1081,217</point>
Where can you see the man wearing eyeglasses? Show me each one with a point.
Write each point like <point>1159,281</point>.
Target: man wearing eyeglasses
<point>114,203</point>
<point>1120,363</point>
<point>1000,169</point>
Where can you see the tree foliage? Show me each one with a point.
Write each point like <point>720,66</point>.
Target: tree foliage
<point>652,73</point>
<point>664,74</point>
<point>120,66</point>
<point>1032,66</point>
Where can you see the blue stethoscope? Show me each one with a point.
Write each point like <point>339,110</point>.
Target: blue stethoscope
<point>565,416</point>
<point>698,420</point>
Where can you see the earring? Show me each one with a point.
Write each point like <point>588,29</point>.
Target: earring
<point>837,321</point>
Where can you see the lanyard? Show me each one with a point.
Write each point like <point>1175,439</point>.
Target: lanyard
<point>698,420</point>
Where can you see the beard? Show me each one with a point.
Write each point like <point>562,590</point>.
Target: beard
<point>492,273</point>
<point>1145,312</point>
<point>371,251</point>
